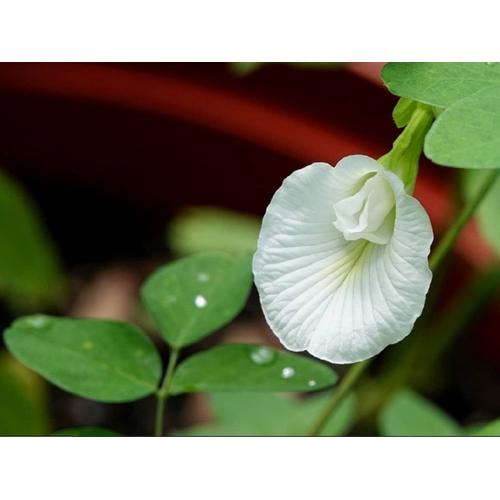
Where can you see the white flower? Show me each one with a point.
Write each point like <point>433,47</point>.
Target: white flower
<point>341,265</point>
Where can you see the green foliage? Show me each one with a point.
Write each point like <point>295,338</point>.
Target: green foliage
<point>192,297</point>
<point>97,359</point>
<point>439,84</point>
<point>30,276</point>
<point>485,430</point>
<point>23,401</point>
<point>247,367</point>
<point>466,134</point>
<point>261,414</point>
<point>488,212</point>
<point>210,229</point>
<point>86,432</point>
<point>409,414</point>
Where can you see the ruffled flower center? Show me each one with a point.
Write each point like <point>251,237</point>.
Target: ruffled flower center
<point>369,213</point>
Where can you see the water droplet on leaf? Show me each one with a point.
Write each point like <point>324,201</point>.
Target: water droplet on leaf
<point>262,355</point>
<point>200,302</point>
<point>287,372</point>
<point>87,345</point>
<point>38,321</point>
<point>311,383</point>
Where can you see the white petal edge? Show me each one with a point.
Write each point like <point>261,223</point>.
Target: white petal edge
<point>342,301</point>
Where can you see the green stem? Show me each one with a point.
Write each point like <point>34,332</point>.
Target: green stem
<point>437,257</point>
<point>163,391</point>
<point>350,378</point>
<point>447,241</point>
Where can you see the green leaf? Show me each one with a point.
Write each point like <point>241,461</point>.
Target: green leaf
<point>30,276</point>
<point>488,212</point>
<point>485,430</point>
<point>467,135</point>
<point>86,432</point>
<point>23,400</point>
<point>194,296</point>
<point>261,414</point>
<point>96,359</point>
<point>409,414</point>
<point>439,84</point>
<point>247,367</point>
<point>210,229</point>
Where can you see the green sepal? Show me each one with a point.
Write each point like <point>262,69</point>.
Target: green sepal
<point>404,156</point>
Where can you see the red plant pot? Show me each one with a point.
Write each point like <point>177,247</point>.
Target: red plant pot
<point>175,134</point>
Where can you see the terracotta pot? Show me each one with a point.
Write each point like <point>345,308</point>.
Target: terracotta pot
<point>167,135</point>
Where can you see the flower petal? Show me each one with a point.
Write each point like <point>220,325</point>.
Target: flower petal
<point>343,301</point>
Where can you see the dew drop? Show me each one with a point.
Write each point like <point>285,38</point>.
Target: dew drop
<point>311,383</point>
<point>38,321</point>
<point>200,302</point>
<point>203,277</point>
<point>490,63</point>
<point>287,372</point>
<point>88,345</point>
<point>262,355</point>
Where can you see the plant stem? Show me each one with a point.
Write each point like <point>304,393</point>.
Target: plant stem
<point>162,393</point>
<point>447,241</point>
<point>437,257</point>
<point>342,390</point>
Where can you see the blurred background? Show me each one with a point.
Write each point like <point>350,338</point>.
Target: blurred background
<point>109,170</point>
